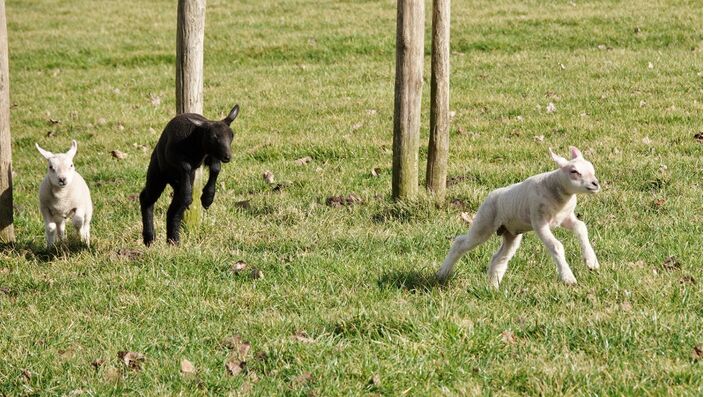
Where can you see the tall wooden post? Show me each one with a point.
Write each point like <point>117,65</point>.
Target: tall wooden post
<point>438,147</point>
<point>190,33</point>
<point>7,231</point>
<point>408,89</point>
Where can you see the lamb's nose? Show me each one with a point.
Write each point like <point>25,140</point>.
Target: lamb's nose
<point>62,180</point>
<point>595,185</point>
<point>226,158</point>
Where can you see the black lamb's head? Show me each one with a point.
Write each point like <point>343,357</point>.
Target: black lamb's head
<point>218,136</point>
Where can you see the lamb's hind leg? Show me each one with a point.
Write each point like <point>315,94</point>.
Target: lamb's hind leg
<point>480,232</point>
<point>152,190</point>
<point>499,262</point>
<point>81,222</point>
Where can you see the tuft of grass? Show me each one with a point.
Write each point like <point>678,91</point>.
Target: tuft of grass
<point>356,279</point>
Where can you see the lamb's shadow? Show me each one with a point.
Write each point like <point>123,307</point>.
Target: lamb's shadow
<point>413,281</point>
<point>30,250</point>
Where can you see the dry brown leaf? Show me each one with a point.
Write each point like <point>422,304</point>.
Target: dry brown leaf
<point>234,366</point>
<point>699,136</point>
<point>238,266</point>
<point>118,154</point>
<point>687,279</point>
<point>244,204</point>
<point>97,363</point>
<point>338,201</point>
<point>508,337</point>
<point>539,138</point>
<point>642,103</point>
<point>268,177</point>
<point>376,171</point>
<point>301,379</point>
<point>128,254</point>
<point>132,360</point>
<point>27,374</point>
<point>550,108</point>
<point>303,160</point>
<point>256,274</point>
<point>697,352</point>
<point>54,121</point>
<point>671,263</point>
<point>302,336</point>
<point>659,202</point>
<point>467,217</point>
<point>133,197</point>
<point>375,380</point>
<point>187,367</point>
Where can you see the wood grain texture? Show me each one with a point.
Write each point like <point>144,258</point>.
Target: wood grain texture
<point>7,232</point>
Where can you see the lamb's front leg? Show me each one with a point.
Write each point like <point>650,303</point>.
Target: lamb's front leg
<point>206,199</point>
<point>183,197</point>
<point>557,250</point>
<point>580,230</point>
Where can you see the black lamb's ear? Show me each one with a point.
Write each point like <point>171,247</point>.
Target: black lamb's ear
<point>196,122</point>
<point>232,115</point>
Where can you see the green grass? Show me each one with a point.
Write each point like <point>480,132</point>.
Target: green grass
<point>316,79</point>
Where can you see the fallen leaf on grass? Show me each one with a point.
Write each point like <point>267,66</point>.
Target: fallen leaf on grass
<point>102,121</point>
<point>268,177</point>
<point>303,160</point>
<point>375,380</point>
<point>671,263</point>
<point>697,352</point>
<point>602,47</point>
<point>133,197</point>
<point>128,254</point>
<point>244,204</point>
<point>256,274</point>
<point>357,126</point>
<point>118,154</point>
<point>550,108</point>
<point>238,266</point>
<point>467,217</point>
<point>642,103</point>
<point>132,360</point>
<point>539,138</point>
<point>659,202</point>
<point>27,375</point>
<point>97,363</point>
<point>54,121</point>
<point>687,280</point>
<point>155,100</point>
<point>234,366</point>
<point>338,201</point>
<point>647,141</point>
<point>508,337</point>
<point>376,171</point>
<point>699,136</point>
<point>302,336</point>
<point>301,379</point>
<point>187,367</point>
<point>650,65</point>
<point>371,112</point>
<point>50,134</point>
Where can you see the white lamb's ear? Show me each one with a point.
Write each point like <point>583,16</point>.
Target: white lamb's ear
<point>47,154</point>
<point>561,161</point>
<point>74,147</point>
<point>575,153</point>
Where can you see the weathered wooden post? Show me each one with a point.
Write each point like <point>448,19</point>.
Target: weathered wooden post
<point>438,147</point>
<point>7,231</point>
<point>408,89</point>
<point>190,32</point>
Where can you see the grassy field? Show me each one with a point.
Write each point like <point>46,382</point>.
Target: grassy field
<point>347,304</point>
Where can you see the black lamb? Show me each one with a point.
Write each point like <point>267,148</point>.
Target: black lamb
<point>188,141</point>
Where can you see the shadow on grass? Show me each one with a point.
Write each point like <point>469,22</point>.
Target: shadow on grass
<point>413,281</point>
<point>39,252</point>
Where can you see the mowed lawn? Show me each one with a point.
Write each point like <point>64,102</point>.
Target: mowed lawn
<point>346,303</point>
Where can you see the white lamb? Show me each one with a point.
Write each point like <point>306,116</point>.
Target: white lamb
<point>539,203</point>
<point>64,194</point>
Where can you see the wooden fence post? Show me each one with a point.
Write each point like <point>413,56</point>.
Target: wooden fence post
<point>438,147</point>
<point>7,231</point>
<point>410,24</point>
<point>190,33</point>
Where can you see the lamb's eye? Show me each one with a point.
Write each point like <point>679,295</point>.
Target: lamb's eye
<point>575,172</point>
<point>71,165</point>
<point>51,167</point>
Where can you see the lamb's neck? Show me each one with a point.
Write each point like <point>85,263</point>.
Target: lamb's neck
<point>554,183</point>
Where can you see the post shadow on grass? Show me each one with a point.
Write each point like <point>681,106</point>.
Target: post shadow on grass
<point>39,252</point>
<point>410,280</point>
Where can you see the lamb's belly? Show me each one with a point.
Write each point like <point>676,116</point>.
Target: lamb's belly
<point>517,227</point>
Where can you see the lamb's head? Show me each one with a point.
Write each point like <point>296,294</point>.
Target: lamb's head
<point>218,135</point>
<point>60,166</point>
<point>578,174</point>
